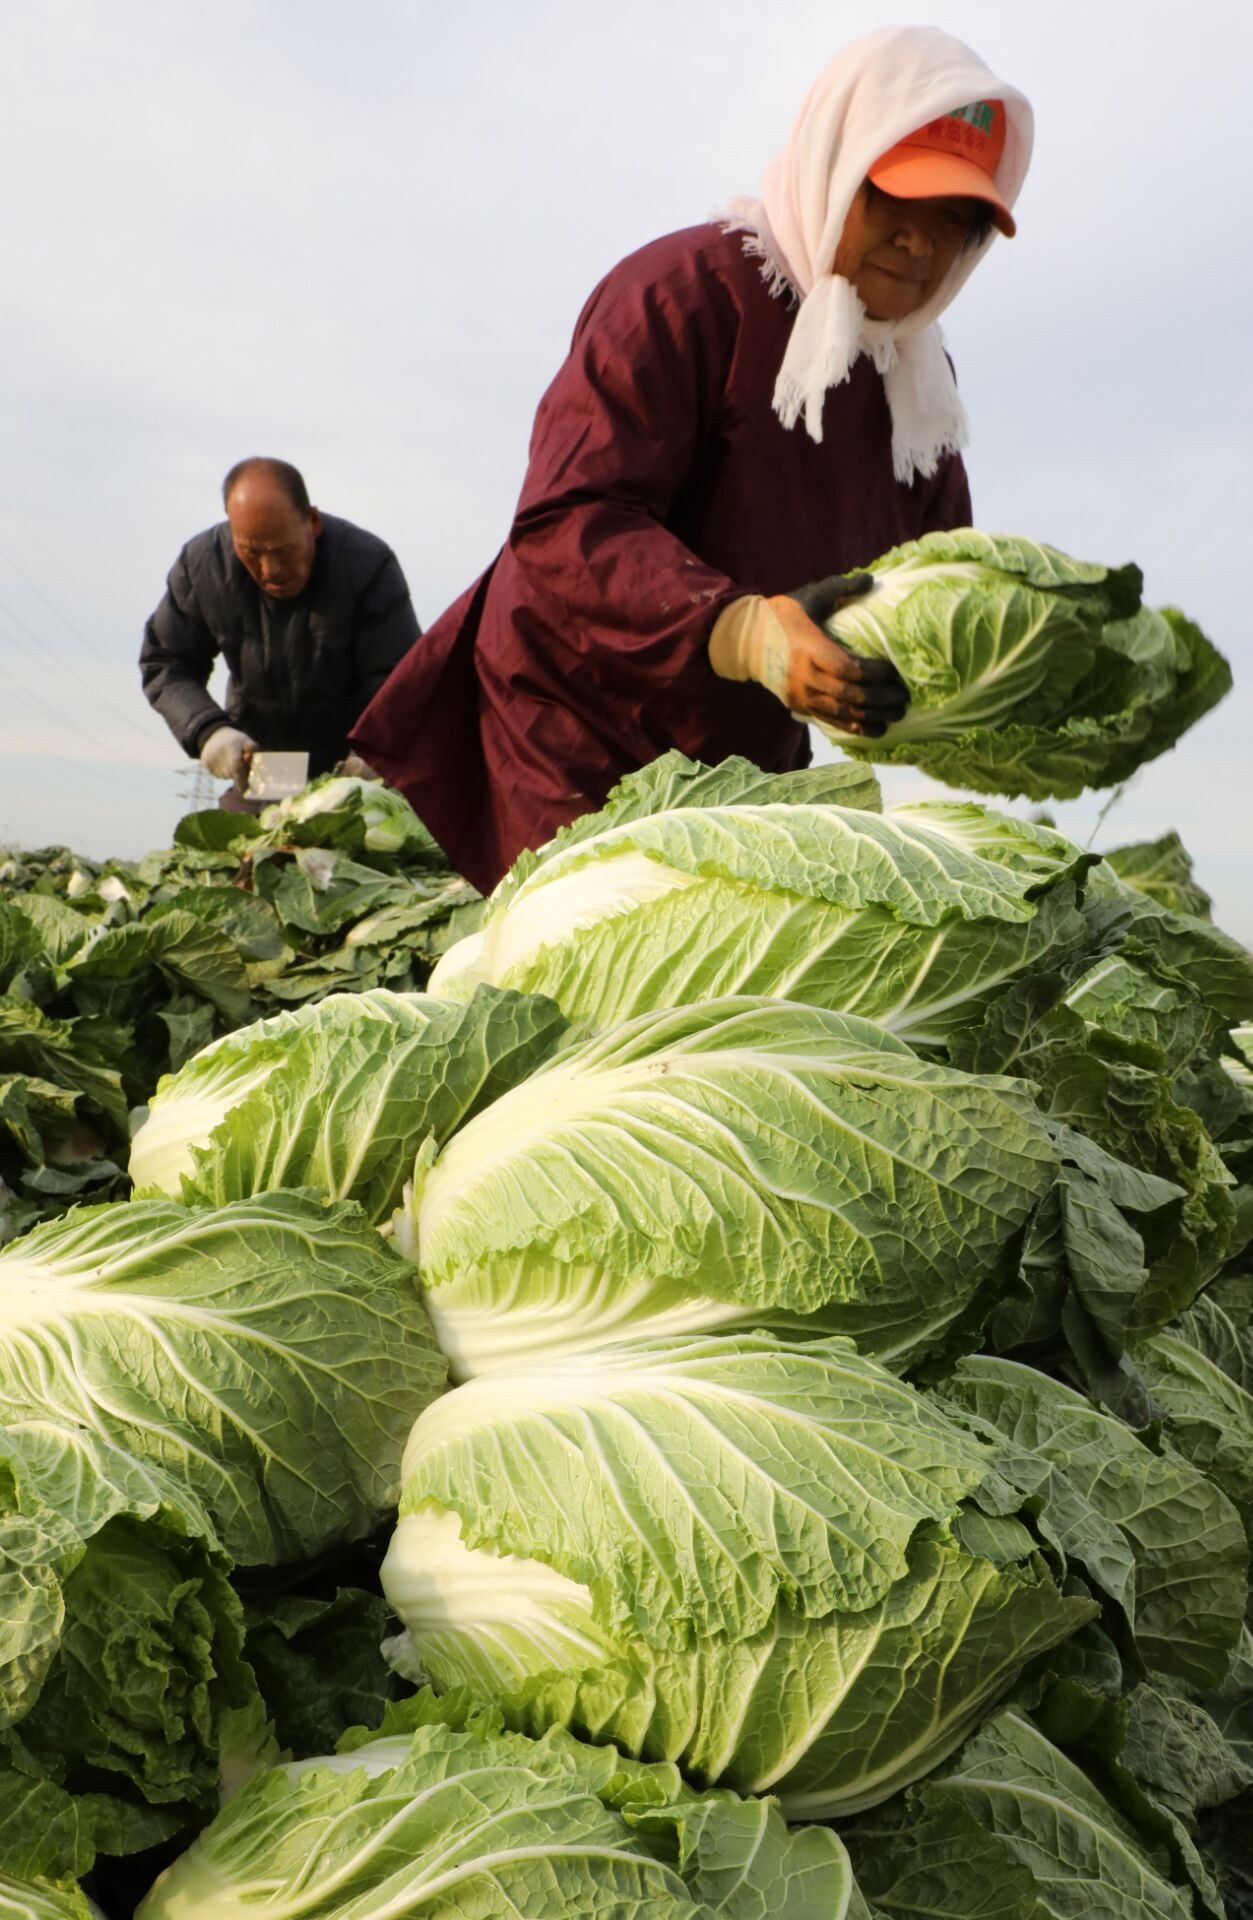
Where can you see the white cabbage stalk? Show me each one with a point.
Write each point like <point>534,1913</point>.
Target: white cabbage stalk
<point>566,904</point>
<point>188,1105</point>
<point>456,973</point>
<point>375,1758</point>
<point>38,1899</point>
<point>1240,1066</point>
<point>520,1317</point>
<point>452,1597</point>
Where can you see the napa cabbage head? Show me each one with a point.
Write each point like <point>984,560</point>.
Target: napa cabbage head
<point>919,919</point>
<point>1029,672</point>
<point>268,1356</point>
<point>741,1162</point>
<point>447,1811</point>
<point>189,1104</point>
<point>764,1561</point>
<point>337,1096</point>
<point>388,822</point>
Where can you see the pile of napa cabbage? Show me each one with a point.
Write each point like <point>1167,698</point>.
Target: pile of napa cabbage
<point>834,1224</point>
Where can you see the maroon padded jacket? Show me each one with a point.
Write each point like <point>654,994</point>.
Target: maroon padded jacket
<point>660,487</point>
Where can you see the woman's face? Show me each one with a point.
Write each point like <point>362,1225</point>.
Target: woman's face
<point>897,252</point>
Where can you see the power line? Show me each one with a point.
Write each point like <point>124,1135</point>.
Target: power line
<point>39,656</point>
<point>188,770</point>
<point>66,723</point>
<point>117,780</point>
<point>53,608</point>
<point>40,652</point>
<point>18,742</point>
<point>64,618</point>
<point>126,717</point>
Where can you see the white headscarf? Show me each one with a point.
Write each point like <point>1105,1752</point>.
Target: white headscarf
<point>879,89</point>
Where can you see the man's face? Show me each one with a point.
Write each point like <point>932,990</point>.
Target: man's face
<point>275,542</point>
<point>896,253</point>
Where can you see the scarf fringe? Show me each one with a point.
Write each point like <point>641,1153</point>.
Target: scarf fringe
<point>929,421</point>
<point>789,403</point>
<point>756,246</point>
<point>913,463</point>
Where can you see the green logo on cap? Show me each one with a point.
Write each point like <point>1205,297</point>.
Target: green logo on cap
<point>978,114</point>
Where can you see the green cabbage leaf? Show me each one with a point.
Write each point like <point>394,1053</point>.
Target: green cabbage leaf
<point>1158,1539</point>
<point>1015,1830</point>
<point>1199,1375</point>
<point>126,1703</point>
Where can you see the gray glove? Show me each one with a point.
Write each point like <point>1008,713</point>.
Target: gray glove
<point>356,768</point>
<point>225,755</point>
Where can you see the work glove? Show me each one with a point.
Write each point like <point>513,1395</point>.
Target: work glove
<point>225,753</point>
<point>779,643</point>
<point>356,768</point>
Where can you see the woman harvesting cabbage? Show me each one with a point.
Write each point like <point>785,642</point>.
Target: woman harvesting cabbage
<point>745,407</point>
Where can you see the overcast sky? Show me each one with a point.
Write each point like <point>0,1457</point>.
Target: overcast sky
<point>359,238</point>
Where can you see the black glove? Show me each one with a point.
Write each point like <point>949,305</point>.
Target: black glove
<point>821,597</point>
<point>883,691</point>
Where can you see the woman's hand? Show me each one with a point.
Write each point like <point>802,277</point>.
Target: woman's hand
<point>778,643</point>
<point>816,676</point>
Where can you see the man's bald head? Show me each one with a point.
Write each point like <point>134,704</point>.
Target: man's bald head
<point>263,471</point>
<point>273,527</point>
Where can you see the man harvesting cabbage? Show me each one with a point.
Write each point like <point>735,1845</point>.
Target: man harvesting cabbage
<point>309,612</point>
<point>746,406</point>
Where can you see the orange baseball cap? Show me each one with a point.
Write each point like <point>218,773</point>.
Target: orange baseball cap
<point>957,154</point>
